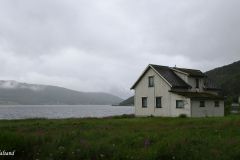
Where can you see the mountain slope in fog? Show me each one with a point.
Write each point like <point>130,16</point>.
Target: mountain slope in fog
<point>12,92</point>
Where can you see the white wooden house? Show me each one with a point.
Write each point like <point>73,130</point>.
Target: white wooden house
<point>171,91</point>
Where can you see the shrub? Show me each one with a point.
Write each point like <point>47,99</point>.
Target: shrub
<point>182,116</point>
<point>122,116</point>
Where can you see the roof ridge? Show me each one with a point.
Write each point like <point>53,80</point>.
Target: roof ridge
<point>186,68</point>
<point>175,67</point>
<point>159,65</point>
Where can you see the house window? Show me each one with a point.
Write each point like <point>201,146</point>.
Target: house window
<point>197,83</point>
<point>179,104</point>
<point>202,103</point>
<point>150,81</point>
<point>158,102</point>
<point>216,103</point>
<point>144,102</point>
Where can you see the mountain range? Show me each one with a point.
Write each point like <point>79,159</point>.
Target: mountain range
<point>127,102</point>
<point>13,92</point>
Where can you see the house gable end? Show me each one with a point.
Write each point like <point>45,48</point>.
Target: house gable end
<point>143,74</point>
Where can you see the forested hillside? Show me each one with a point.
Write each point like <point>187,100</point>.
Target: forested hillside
<point>228,77</point>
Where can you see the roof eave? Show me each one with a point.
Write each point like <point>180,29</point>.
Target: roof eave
<point>181,87</point>
<point>213,89</point>
<point>198,76</point>
<point>207,98</point>
<point>198,98</point>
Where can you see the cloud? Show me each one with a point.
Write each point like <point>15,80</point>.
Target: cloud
<point>104,45</point>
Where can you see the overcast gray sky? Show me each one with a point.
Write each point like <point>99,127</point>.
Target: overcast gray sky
<point>93,45</point>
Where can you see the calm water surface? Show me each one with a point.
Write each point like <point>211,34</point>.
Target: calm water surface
<point>61,111</point>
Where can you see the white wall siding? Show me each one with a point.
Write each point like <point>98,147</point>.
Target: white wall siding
<point>192,82</point>
<point>160,89</point>
<point>142,90</point>
<point>175,112</point>
<point>208,110</point>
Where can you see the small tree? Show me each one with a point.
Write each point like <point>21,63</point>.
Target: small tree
<point>227,105</point>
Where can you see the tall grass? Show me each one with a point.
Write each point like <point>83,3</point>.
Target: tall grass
<point>122,138</point>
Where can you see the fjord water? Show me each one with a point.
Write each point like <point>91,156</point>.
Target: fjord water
<point>61,111</point>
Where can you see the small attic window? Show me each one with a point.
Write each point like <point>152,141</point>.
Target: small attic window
<point>197,83</point>
<point>150,81</point>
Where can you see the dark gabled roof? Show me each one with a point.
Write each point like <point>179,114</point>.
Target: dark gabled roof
<point>170,76</point>
<point>191,72</point>
<point>210,85</point>
<point>198,95</point>
<point>167,74</point>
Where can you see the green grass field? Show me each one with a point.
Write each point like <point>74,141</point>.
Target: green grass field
<point>122,138</point>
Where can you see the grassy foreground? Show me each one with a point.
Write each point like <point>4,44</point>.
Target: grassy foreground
<point>122,138</point>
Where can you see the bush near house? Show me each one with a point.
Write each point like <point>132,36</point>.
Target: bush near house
<point>122,138</point>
